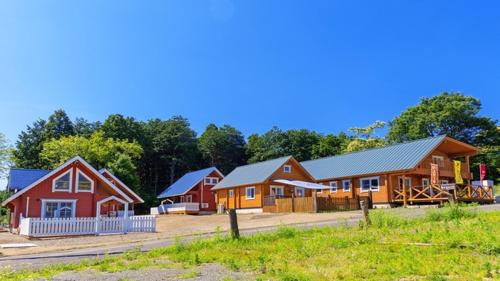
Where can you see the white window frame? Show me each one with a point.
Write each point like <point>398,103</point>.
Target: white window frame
<point>441,160</point>
<point>45,201</point>
<point>211,180</point>
<point>230,193</point>
<point>333,184</point>
<point>276,187</point>
<point>204,205</point>
<point>70,172</point>
<point>343,185</point>
<point>246,193</point>
<point>400,179</point>
<point>300,188</point>
<point>77,186</point>
<point>428,182</point>
<point>371,187</point>
<point>287,169</point>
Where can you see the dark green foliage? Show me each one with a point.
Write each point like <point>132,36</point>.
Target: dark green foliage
<point>29,145</point>
<point>222,147</point>
<point>58,125</point>
<point>85,128</point>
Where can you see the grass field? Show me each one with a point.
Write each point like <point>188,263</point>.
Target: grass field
<point>452,243</point>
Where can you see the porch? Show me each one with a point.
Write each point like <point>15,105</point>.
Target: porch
<point>438,193</point>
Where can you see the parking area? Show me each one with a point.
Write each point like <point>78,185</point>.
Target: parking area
<point>169,226</point>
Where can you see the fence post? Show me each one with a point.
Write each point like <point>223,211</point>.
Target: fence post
<point>364,207</point>
<point>233,221</point>
<point>370,200</point>
<point>293,202</point>
<point>315,201</point>
<point>346,203</point>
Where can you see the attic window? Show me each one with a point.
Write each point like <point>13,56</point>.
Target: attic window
<point>211,181</point>
<point>287,169</point>
<point>84,183</point>
<point>62,182</point>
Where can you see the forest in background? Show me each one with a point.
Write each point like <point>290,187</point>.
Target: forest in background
<point>150,155</point>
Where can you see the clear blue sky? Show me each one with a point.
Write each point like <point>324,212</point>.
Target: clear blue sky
<point>321,65</point>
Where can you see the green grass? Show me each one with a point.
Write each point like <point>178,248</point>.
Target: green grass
<point>452,243</point>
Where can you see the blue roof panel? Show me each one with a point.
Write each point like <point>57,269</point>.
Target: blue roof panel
<point>186,182</point>
<point>21,178</point>
<point>395,157</point>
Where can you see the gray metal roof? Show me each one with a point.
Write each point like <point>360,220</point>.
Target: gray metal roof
<point>251,174</point>
<point>377,160</point>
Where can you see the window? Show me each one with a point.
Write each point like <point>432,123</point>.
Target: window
<point>58,209</point>
<point>438,160</point>
<point>333,187</point>
<point>425,182</point>
<point>211,181</point>
<point>277,190</point>
<point>444,182</point>
<point>250,193</point>
<point>187,198</point>
<point>346,185</point>
<point>231,193</point>
<point>204,205</point>
<point>299,191</point>
<point>62,182</point>
<point>368,184</point>
<point>407,183</point>
<point>84,183</point>
<point>287,169</point>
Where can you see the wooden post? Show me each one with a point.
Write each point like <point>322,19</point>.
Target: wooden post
<point>364,207</point>
<point>293,202</point>
<point>315,201</point>
<point>233,221</point>
<point>370,199</point>
<point>346,203</point>
<point>404,191</point>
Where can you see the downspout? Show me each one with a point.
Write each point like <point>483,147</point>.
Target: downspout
<point>27,206</point>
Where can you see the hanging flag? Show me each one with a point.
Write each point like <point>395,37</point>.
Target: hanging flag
<point>482,172</point>
<point>434,173</point>
<point>458,171</point>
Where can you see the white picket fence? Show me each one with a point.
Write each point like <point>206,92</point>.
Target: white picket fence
<point>38,227</point>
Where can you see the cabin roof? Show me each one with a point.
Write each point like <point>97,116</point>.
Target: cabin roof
<point>252,173</point>
<point>187,182</point>
<point>21,178</point>
<point>394,157</point>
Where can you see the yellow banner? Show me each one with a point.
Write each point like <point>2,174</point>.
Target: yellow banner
<point>458,172</point>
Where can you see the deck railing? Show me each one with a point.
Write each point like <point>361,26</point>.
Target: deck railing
<point>179,207</point>
<point>444,192</point>
<point>45,227</point>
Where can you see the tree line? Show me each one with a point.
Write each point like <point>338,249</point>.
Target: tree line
<point>149,155</point>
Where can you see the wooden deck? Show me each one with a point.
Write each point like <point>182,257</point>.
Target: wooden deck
<point>314,204</point>
<point>440,193</point>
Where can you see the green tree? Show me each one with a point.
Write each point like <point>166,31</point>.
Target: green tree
<point>330,145</point>
<point>455,115</point>
<point>85,128</point>
<point>222,147</point>
<point>5,152</point>
<point>267,146</point>
<point>99,151</point>
<point>29,145</point>
<point>58,125</point>
<point>365,138</point>
<point>123,128</point>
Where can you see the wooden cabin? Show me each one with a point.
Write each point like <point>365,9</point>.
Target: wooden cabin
<point>191,194</point>
<point>400,174</point>
<point>248,187</point>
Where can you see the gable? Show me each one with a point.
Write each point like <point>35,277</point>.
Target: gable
<point>297,172</point>
<point>187,182</point>
<point>71,164</point>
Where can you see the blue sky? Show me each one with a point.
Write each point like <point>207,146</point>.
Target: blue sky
<point>321,65</point>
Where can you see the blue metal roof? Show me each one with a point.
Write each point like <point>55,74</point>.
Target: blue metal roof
<point>377,160</point>
<point>251,174</point>
<point>21,178</point>
<point>186,182</point>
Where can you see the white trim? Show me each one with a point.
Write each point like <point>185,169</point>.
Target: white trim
<point>343,185</point>
<point>76,158</point>
<point>77,188</point>
<point>370,179</point>
<point>336,186</point>
<point>210,180</point>
<point>70,185</point>
<point>122,184</point>
<point>246,192</point>
<point>428,182</point>
<point>43,201</point>
<point>282,188</point>
<point>299,188</point>
<point>112,197</point>
<point>289,169</point>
